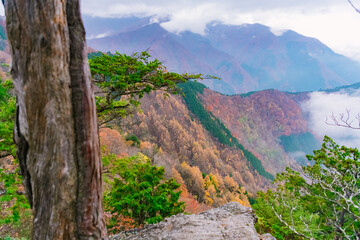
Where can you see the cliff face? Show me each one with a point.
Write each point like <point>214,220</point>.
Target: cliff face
<point>230,221</point>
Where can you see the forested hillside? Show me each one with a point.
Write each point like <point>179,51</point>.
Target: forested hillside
<point>181,136</point>
<point>259,119</point>
<point>236,135</point>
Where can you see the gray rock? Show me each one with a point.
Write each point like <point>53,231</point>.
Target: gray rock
<point>230,221</point>
<point>267,236</point>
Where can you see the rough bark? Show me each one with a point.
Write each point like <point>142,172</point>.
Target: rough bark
<point>56,130</point>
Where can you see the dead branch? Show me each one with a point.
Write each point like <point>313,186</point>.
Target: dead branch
<point>356,9</point>
<point>343,120</point>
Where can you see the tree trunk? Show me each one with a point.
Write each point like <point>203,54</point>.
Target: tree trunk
<point>56,129</point>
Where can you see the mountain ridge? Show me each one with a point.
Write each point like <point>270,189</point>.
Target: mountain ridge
<point>249,57</point>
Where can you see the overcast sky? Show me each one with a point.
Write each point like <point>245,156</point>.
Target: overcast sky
<point>334,22</point>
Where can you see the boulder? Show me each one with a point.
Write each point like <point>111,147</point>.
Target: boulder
<point>230,221</point>
<point>267,236</point>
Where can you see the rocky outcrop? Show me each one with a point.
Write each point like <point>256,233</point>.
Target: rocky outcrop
<point>230,221</point>
<point>267,236</point>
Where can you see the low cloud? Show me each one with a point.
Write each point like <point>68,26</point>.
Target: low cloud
<point>297,154</point>
<point>322,105</point>
<point>300,157</point>
<point>101,35</point>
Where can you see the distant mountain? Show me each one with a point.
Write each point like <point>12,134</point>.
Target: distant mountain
<point>247,57</point>
<point>348,88</point>
<point>101,27</point>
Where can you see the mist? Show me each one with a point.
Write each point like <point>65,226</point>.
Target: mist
<point>321,106</point>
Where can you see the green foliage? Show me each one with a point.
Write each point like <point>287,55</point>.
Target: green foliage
<point>298,211</point>
<point>325,206</point>
<point>124,80</point>
<point>215,126</point>
<point>134,139</point>
<point>252,200</point>
<point>7,117</point>
<point>141,192</point>
<point>267,220</point>
<point>15,210</point>
<point>11,182</point>
<point>248,94</point>
<point>15,213</point>
<point>10,238</point>
<point>96,54</point>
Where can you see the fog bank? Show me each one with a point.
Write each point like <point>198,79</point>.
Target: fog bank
<point>321,106</point>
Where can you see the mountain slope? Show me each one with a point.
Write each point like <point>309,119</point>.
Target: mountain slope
<point>247,57</point>
<point>264,123</point>
<point>258,121</point>
<point>180,136</point>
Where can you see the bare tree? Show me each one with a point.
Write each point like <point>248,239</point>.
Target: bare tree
<point>344,120</point>
<point>56,130</point>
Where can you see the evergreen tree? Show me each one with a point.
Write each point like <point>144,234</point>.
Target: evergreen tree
<point>123,80</point>
<point>141,192</point>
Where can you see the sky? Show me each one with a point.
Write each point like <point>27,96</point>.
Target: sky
<point>334,22</point>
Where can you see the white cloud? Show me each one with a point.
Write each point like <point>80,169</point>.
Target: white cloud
<point>193,18</point>
<point>101,35</point>
<point>320,107</point>
<point>334,22</point>
<point>278,31</point>
<point>331,21</point>
<point>297,154</point>
<point>102,7</point>
<point>334,26</point>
